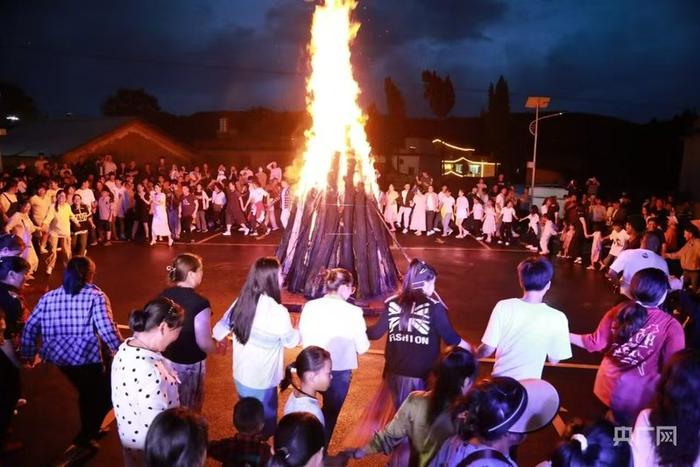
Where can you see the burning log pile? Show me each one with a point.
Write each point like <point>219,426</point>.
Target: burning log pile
<point>331,229</point>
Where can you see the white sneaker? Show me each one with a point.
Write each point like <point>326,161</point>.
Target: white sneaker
<point>49,271</point>
<point>243,229</point>
<point>430,232</point>
<point>254,234</point>
<point>507,243</point>
<point>226,234</point>
<point>404,231</point>
<point>246,230</point>
<point>500,242</point>
<point>418,233</point>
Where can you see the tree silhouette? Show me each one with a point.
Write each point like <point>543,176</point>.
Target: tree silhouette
<point>397,115</point>
<point>498,120</point>
<point>15,101</point>
<point>439,92</point>
<point>130,102</point>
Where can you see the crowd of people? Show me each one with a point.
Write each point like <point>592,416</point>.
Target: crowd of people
<point>431,407</point>
<point>67,208</point>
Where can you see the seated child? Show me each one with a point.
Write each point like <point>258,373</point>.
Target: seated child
<point>247,447</point>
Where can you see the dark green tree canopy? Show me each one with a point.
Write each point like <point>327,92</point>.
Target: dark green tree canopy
<point>15,101</point>
<point>439,92</point>
<point>130,102</point>
<point>395,104</point>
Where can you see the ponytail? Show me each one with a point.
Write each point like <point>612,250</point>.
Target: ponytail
<point>310,359</point>
<point>182,265</point>
<point>628,321</point>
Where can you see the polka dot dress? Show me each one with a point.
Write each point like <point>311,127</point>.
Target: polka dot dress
<point>141,388</point>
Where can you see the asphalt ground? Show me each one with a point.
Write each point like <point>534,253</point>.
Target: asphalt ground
<point>473,276</point>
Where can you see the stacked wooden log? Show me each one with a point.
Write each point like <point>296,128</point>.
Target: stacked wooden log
<point>329,229</point>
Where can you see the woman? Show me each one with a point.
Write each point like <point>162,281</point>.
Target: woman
<point>59,323</point>
<point>299,442</point>
<point>21,225</point>
<point>493,418</point>
<point>425,417</point>
<point>13,312</point>
<point>159,226</point>
<point>59,219</point>
<point>418,216</point>
<point>188,353</point>
<point>79,235</point>
<point>593,445</point>
<point>218,201</point>
<point>143,383</point>
<point>391,210</point>
<point>637,339</point>
<point>417,323</point>
<point>234,209</point>
<point>261,329</point>
<point>334,324</point>
<point>143,209</point>
<point>676,407</point>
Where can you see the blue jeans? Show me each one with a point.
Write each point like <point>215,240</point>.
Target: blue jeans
<point>402,386</point>
<point>334,398</point>
<point>268,397</point>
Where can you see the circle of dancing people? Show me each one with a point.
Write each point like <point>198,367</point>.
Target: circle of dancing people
<point>431,407</point>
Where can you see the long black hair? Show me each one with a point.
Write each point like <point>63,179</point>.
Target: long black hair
<point>298,438</point>
<point>177,438</point>
<point>677,405</point>
<point>262,279</point>
<point>455,366</point>
<point>79,272</point>
<point>419,272</point>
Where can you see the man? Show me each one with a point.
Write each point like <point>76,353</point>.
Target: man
<point>108,166</point>
<point>630,261</point>
<point>523,332</point>
<point>404,202</point>
<point>431,208</point>
<point>592,185</point>
<point>8,200</point>
<point>689,255</point>
<point>188,211</point>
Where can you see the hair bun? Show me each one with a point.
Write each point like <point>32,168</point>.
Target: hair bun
<point>137,321</point>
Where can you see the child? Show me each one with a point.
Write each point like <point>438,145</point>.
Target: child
<point>619,238</point>
<point>447,207</point>
<point>566,237</point>
<point>462,212</point>
<point>489,226</point>
<point>313,367</point>
<point>477,218</point>
<point>533,228</point>
<point>105,212</point>
<point>256,202</point>
<point>507,216</point>
<point>247,447</point>
<point>548,231</point>
<point>596,247</point>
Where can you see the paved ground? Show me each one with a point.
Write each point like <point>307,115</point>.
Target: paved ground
<point>473,277</point>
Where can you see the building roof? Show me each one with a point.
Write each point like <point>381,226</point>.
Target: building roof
<point>75,136</point>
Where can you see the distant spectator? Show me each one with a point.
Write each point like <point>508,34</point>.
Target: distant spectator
<point>689,255</point>
<point>632,260</point>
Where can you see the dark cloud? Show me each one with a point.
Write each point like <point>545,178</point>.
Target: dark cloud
<point>626,58</point>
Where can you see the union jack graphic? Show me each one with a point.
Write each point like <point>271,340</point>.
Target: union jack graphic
<point>419,318</point>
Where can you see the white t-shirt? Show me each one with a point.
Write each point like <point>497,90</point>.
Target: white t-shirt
<point>478,211</point>
<point>448,204</point>
<point>462,206</point>
<point>629,262</point>
<point>87,196</point>
<point>507,214</point>
<point>619,241</point>
<point>524,335</point>
<point>40,208</point>
<point>304,403</point>
<point>257,195</point>
<point>259,363</point>
<point>337,326</point>
<point>431,202</point>
<point>141,389</point>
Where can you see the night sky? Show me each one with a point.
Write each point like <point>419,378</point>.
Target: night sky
<point>634,59</point>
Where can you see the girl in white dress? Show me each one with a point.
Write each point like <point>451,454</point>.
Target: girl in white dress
<point>159,226</point>
<point>461,213</point>
<point>418,217</point>
<point>489,227</point>
<point>391,210</point>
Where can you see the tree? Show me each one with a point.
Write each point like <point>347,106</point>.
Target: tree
<point>439,92</point>
<point>397,115</point>
<point>498,120</point>
<point>130,102</point>
<point>15,101</point>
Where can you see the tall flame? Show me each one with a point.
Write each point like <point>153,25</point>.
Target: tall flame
<point>332,101</point>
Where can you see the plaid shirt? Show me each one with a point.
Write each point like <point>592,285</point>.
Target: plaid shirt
<point>241,450</point>
<point>70,327</point>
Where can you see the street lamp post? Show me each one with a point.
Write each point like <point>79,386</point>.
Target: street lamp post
<point>537,103</point>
